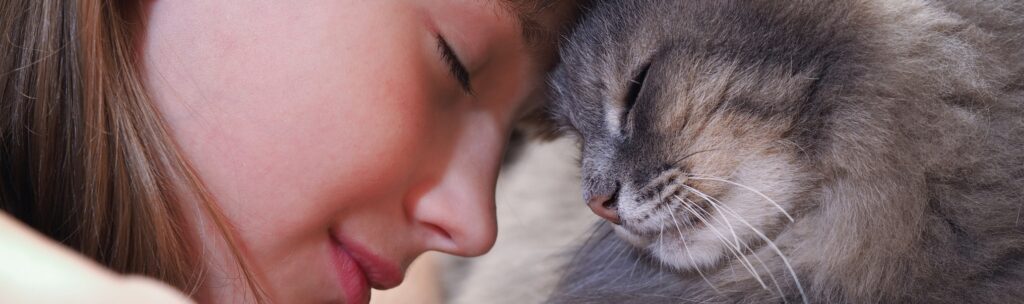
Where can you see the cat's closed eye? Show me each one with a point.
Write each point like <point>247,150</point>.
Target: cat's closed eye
<point>635,86</point>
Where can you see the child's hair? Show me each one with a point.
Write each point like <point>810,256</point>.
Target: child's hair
<point>85,157</point>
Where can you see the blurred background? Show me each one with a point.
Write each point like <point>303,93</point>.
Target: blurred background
<point>541,218</point>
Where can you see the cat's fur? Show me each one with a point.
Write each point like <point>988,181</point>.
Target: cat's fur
<point>891,131</point>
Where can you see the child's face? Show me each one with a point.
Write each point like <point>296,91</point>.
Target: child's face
<point>329,129</point>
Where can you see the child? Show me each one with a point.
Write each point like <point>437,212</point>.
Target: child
<point>268,151</point>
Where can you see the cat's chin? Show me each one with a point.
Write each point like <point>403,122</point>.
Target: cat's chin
<point>674,250</point>
<point>636,240</point>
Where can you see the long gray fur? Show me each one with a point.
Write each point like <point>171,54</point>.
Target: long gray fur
<point>893,132</point>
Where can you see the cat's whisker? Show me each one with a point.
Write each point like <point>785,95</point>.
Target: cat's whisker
<point>686,204</point>
<point>661,243</point>
<point>739,249</point>
<point>614,254</point>
<point>693,228</point>
<point>679,161</point>
<point>717,205</point>
<point>690,255</point>
<point>735,251</point>
<point>595,237</point>
<point>724,220</point>
<point>771,276</point>
<point>727,223</point>
<point>636,262</point>
<point>625,251</point>
<point>775,248</point>
<point>748,188</point>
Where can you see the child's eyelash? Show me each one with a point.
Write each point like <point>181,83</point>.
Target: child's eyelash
<point>456,67</point>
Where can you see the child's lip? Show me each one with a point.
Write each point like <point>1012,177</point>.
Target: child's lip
<point>352,278</point>
<point>380,273</point>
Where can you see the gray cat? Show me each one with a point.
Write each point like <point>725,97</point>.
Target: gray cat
<point>847,151</point>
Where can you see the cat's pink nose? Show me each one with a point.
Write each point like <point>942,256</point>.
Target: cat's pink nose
<point>605,206</point>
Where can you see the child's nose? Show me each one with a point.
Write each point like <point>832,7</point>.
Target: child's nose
<point>459,205</point>
<point>462,223</point>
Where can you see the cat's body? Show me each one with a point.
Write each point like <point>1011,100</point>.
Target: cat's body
<point>844,151</point>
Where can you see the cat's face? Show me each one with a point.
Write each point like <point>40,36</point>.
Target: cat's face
<point>691,148</point>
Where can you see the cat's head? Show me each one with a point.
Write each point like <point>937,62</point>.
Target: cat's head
<point>689,141</point>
